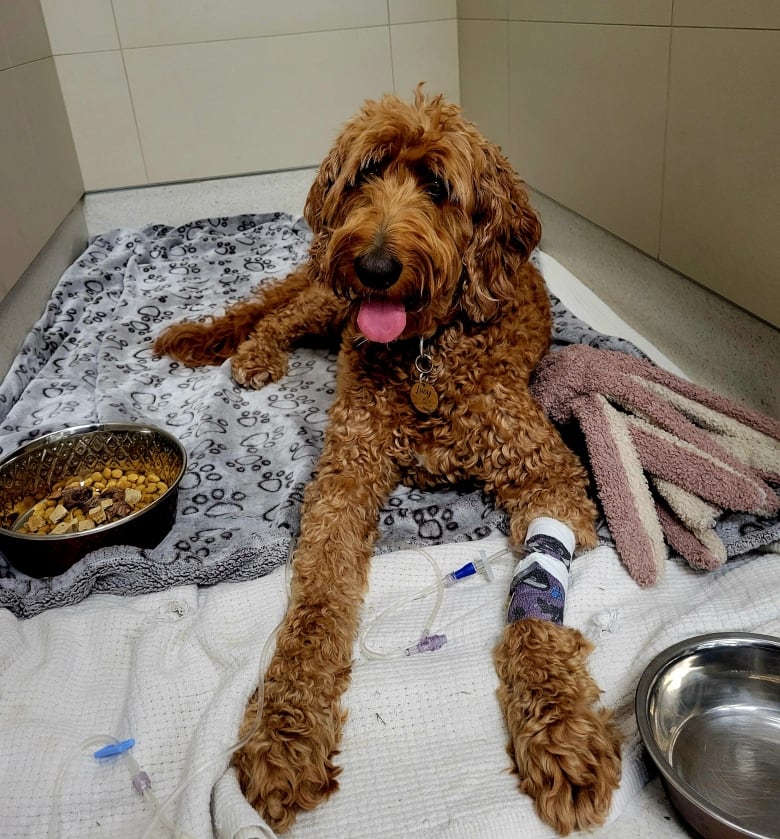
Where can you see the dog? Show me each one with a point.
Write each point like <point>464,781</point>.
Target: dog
<point>419,268</point>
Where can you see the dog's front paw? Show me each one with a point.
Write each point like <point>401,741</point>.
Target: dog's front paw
<point>286,765</point>
<point>256,365</point>
<point>565,747</point>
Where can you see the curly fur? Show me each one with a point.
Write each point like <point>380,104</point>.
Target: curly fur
<point>568,747</point>
<point>417,184</point>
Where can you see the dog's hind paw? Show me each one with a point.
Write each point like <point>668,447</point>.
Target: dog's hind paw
<point>565,747</point>
<point>283,769</point>
<point>256,365</point>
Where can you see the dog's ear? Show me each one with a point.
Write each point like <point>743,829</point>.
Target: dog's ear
<point>506,230</point>
<point>323,184</point>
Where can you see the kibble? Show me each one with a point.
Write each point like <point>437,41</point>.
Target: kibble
<point>76,505</point>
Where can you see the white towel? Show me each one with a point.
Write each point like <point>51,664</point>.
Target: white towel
<point>423,752</point>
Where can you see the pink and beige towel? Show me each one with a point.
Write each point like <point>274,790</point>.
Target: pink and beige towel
<point>669,459</point>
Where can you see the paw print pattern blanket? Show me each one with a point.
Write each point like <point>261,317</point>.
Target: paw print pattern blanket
<point>89,359</point>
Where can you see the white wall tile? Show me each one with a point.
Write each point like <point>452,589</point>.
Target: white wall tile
<point>24,31</point>
<point>5,55</point>
<point>745,14</point>
<point>426,52</point>
<point>38,190</point>
<point>16,243</point>
<point>483,9</point>
<point>22,307</point>
<point>484,76</point>
<point>144,23</point>
<point>587,115</point>
<point>97,99</point>
<point>227,107</point>
<point>412,11</point>
<point>721,210</point>
<point>635,12</point>
<point>80,25</point>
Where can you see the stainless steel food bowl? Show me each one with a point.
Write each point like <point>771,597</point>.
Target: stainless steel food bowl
<point>708,711</point>
<point>28,475</point>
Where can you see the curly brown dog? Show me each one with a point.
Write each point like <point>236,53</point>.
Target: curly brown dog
<point>419,263</point>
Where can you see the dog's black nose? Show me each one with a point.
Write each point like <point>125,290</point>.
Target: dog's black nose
<point>376,269</point>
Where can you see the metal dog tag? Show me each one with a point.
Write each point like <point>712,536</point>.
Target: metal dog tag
<point>424,397</point>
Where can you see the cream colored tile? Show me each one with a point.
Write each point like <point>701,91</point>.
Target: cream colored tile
<point>587,114</point>
<point>426,52</point>
<point>144,23</point>
<point>24,31</point>
<point>636,12</point>
<point>252,105</point>
<point>412,11</point>
<point>97,99</point>
<point>13,135</point>
<point>18,249</point>
<point>80,25</point>
<point>483,9</point>
<point>484,76</point>
<point>721,213</point>
<point>16,243</point>
<point>55,173</point>
<point>21,308</point>
<point>747,14</point>
<point>42,182</point>
<point>5,55</point>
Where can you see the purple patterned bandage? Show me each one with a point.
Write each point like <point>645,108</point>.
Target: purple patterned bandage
<point>538,588</point>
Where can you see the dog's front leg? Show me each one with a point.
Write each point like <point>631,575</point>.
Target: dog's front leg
<point>287,764</point>
<point>565,746</point>
<point>262,357</point>
<point>258,333</point>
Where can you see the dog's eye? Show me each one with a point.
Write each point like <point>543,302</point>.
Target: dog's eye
<point>372,169</point>
<point>436,187</point>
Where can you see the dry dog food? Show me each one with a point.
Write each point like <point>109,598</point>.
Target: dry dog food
<point>79,504</point>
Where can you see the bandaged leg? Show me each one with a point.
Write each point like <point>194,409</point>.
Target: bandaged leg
<point>540,581</point>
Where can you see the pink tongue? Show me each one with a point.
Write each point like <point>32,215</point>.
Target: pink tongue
<point>381,320</point>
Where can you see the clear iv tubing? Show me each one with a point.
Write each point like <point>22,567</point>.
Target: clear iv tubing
<point>443,581</point>
<point>139,779</point>
<point>439,586</point>
<point>159,816</point>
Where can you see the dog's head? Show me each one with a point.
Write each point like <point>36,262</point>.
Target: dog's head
<point>417,217</point>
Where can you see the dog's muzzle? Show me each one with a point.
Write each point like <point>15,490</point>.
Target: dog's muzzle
<point>376,269</point>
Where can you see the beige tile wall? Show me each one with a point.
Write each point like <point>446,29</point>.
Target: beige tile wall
<point>483,9</point>
<point>484,76</point>
<point>587,113</point>
<point>745,14</point>
<point>22,33</point>
<point>632,12</point>
<point>721,209</point>
<point>39,175</point>
<point>659,121</point>
<point>156,93</point>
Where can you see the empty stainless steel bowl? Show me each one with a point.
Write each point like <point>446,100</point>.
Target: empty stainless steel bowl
<point>708,711</point>
<point>28,475</point>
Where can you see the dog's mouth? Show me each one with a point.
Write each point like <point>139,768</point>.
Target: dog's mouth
<point>380,319</point>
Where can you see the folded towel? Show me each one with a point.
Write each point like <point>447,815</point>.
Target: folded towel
<point>669,459</point>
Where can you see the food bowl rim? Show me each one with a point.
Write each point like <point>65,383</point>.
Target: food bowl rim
<point>77,430</point>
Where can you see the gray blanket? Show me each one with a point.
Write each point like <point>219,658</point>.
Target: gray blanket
<point>251,453</point>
